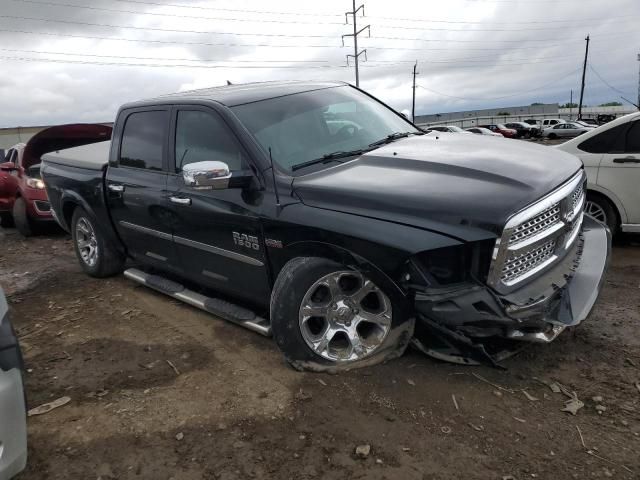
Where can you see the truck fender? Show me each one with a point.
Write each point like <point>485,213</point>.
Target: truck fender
<point>69,201</point>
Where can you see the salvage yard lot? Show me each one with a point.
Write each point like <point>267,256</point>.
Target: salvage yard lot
<point>161,390</point>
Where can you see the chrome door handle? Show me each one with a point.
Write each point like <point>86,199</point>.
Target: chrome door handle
<point>180,200</point>
<point>628,159</point>
<point>116,188</point>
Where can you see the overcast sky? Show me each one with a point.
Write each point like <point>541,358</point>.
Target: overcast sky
<point>470,52</point>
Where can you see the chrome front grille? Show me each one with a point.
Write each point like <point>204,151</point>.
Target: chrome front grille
<point>538,236</point>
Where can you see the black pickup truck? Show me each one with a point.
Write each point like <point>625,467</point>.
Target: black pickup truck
<point>320,215</point>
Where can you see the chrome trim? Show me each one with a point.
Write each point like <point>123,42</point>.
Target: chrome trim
<point>536,337</point>
<point>148,231</point>
<point>564,231</point>
<point>155,256</point>
<point>180,200</point>
<point>218,251</point>
<point>215,276</point>
<point>630,227</point>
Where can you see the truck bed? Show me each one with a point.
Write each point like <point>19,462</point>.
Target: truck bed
<point>93,156</point>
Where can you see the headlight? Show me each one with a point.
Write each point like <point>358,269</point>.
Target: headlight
<point>35,183</point>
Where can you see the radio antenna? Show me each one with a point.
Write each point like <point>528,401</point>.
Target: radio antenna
<point>273,175</point>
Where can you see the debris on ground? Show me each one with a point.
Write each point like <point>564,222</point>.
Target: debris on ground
<point>179,436</point>
<point>446,430</point>
<point>597,399</point>
<point>47,407</point>
<point>455,402</point>
<point>173,367</point>
<point>572,406</point>
<point>363,451</point>
<point>601,409</point>
<point>303,396</point>
<point>529,396</point>
<point>411,382</point>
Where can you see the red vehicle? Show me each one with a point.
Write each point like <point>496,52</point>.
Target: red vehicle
<point>23,198</point>
<point>500,128</point>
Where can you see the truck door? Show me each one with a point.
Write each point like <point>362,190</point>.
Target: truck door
<point>217,233</point>
<point>136,186</point>
<point>620,169</point>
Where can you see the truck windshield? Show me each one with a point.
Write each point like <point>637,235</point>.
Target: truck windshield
<point>306,126</point>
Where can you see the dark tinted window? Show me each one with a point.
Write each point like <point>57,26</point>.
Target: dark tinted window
<point>202,136</point>
<point>632,145</point>
<point>143,140</point>
<point>604,142</point>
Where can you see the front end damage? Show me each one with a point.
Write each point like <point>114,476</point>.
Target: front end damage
<point>486,320</point>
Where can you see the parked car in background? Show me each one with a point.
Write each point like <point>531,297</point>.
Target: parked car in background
<point>242,190</point>
<point>611,156</point>
<point>589,121</point>
<point>605,118</point>
<point>550,122</point>
<point>484,131</point>
<point>13,415</point>
<point>447,128</point>
<point>501,129</point>
<point>565,130</point>
<point>522,129</point>
<point>23,198</point>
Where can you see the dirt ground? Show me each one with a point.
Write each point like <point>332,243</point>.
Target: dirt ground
<point>232,409</point>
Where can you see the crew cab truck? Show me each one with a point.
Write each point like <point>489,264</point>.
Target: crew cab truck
<point>346,244</point>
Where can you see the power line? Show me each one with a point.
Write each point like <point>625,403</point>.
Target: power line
<point>604,81</point>
<point>131,64</point>
<point>172,15</point>
<point>390,27</point>
<point>503,96</point>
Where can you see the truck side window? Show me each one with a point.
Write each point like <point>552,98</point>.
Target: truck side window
<point>605,142</point>
<point>143,140</point>
<point>632,145</point>
<point>202,136</point>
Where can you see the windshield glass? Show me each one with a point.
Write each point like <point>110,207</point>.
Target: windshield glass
<point>305,126</point>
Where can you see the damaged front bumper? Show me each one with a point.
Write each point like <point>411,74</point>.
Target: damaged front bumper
<point>469,321</point>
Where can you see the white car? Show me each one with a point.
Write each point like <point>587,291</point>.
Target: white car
<point>13,419</point>
<point>550,122</point>
<point>483,131</point>
<point>447,128</point>
<point>565,130</point>
<point>611,157</point>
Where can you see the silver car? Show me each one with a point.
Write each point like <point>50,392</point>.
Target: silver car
<point>13,416</point>
<point>562,130</point>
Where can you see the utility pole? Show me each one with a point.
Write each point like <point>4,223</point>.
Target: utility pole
<point>356,32</point>
<point>571,106</point>
<point>584,72</point>
<point>413,107</point>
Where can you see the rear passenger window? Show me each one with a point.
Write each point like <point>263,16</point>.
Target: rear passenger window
<point>143,140</point>
<point>632,145</point>
<point>203,136</point>
<point>605,142</point>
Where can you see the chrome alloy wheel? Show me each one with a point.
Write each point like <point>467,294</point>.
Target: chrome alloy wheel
<point>596,211</point>
<point>344,316</point>
<point>87,242</point>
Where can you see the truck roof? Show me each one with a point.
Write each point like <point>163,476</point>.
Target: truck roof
<point>232,95</point>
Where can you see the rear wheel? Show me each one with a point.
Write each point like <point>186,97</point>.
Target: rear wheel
<point>325,315</point>
<point>23,223</point>
<point>96,256</point>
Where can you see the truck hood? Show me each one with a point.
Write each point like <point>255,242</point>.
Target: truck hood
<point>465,186</point>
<point>61,137</point>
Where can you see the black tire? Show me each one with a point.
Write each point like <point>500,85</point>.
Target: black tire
<point>552,136</point>
<point>108,261</point>
<point>607,209</point>
<point>6,220</point>
<point>292,284</point>
<point>23,223</point>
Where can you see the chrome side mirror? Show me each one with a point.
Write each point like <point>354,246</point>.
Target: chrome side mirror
<point>207,175</point>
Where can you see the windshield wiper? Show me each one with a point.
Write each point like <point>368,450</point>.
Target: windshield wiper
<point>393,137</point>
<point>328,157</point>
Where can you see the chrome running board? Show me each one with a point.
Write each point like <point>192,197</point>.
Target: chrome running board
<point>228,311</point>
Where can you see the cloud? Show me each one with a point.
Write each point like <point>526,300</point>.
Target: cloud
<point>469,53</point>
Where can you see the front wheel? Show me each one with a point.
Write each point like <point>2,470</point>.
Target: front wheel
<point>601,209</point>
<point>325,316</point>
<point>96,256</point>
<point>552,136</point>
<point>23,223</point>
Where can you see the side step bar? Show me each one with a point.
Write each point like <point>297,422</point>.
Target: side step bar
<point>220,308</point>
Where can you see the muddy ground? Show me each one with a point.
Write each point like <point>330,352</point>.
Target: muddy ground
<point>232,409</point>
